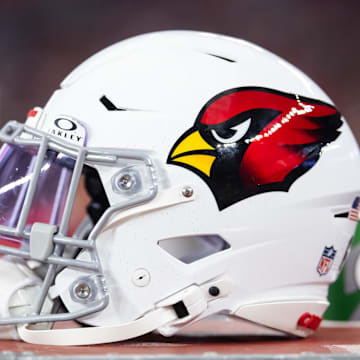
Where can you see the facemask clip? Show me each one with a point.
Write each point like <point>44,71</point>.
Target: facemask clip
<point>41,240</point>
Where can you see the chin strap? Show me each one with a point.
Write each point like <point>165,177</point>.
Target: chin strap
<point>169,315</point>
<point>17,291</point>
<point>99,335</point>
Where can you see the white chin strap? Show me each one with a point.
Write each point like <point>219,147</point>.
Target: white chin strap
<point>163,318</point>
<point>17,292</point>
<point>99,335</point>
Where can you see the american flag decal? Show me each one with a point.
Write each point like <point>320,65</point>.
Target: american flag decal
<point>354,212</point>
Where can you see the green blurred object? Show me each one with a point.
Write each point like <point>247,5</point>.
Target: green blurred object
<point>344,295</point>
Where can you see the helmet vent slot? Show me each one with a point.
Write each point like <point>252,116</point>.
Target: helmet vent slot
<point>222,58</point>
<point>342,215</point>
<point>194,247</point>
<point>109,104</point>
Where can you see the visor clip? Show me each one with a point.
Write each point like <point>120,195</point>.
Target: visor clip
<point>41,240</point>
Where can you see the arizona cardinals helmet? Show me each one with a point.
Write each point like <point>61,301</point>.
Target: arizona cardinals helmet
<point>221,181</point>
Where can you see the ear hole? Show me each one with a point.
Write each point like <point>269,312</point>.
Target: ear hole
<point>192,248</point>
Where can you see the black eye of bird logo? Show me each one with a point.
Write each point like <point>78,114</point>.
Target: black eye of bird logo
<point>251,140</point>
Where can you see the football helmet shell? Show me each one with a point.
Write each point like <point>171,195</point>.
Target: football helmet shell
<point>227,173</point>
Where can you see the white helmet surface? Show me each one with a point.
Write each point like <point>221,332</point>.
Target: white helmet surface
<point>221,181</point>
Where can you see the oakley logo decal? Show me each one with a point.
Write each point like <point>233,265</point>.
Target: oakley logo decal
<point>68,129</point>
<point>65,124</point>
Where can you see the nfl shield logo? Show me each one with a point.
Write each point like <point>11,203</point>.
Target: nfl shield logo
<point>326,260</point>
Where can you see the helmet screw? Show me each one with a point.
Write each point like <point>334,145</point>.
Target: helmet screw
<point>126,182</point>
<point>82,291</point>
<point>187,191</point>
<point>214,291</point>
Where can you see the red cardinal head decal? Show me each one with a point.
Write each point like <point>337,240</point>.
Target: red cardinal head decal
<point>251,140</point>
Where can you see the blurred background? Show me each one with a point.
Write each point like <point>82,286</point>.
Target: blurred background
<point>42,41</point>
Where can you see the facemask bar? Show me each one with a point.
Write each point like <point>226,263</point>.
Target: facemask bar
<point>20,134</point>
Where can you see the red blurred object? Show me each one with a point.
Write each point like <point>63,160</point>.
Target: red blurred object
<point>309,321</point>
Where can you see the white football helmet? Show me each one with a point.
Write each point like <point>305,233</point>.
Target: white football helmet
<point>221,181</point>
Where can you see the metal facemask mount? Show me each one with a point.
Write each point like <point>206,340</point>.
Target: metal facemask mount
<point>19,134</point>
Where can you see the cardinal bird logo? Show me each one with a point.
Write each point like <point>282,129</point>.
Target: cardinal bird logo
<point>251,140</point>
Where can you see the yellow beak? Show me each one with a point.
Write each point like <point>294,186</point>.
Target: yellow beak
<point>188,151</point>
